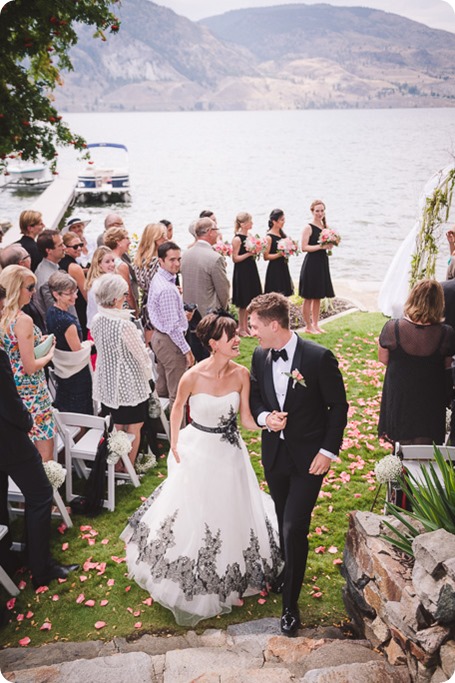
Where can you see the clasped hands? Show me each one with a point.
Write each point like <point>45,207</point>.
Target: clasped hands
<point>276,421</point>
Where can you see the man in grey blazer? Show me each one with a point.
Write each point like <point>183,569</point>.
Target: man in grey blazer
<point>205,282</point>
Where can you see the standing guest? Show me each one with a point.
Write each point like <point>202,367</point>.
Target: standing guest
<point>118,240</point>
<point>20,460</point>
<point>50,244</point>
<point>103,261</point>
<point>448,288</point>
<point>16,255</point>
<point>112,220</point>
<point>19,337</point>
<point>246,283</point>
<point>315,282</point>
<point>417,350</point>
<point>73,247</point>
<point>72,354</point>
<point>298,394</point>
<point>145,265</point>
<point>205,282</point>
<point>31,224</point>
<point>277,277</point>
<point>167,315</point>
<point>450,273</point>
<point>77,225</point>
<point>169,228</point>
<point>123,367</point>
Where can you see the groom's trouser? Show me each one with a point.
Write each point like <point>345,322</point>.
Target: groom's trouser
<point>294,496</point>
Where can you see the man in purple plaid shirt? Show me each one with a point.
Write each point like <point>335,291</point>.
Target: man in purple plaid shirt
<point>168,317</point>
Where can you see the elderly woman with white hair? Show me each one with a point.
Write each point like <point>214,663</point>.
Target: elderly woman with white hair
<point>123,369</point>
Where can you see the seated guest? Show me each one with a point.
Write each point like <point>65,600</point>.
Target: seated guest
<point>123,368</point>
<point>72,354</point>
<point>31,224</point>
<point>20,460</point>
<point>73,246</point>
<point>19,337</point>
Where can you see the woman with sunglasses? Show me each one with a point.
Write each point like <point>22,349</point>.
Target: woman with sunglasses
<point>19,337</point>
<point>73,249</point>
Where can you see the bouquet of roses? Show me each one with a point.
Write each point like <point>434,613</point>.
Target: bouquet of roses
<point>329,237</point>
<point>255,245</point>
<point>224,248</point>
<point>288,247</point>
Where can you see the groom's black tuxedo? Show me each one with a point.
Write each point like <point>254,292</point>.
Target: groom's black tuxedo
<point>316,412</point>
<point>317,415</point>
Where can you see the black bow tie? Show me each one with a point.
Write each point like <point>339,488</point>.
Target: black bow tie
<point>279,354</point>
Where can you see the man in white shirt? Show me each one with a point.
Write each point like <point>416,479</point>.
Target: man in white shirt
<point>50,244</point>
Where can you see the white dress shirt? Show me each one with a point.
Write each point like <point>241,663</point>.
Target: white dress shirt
<point>281,381</point>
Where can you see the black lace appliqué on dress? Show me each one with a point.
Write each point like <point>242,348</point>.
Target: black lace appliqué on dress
<point>227,427</point>
<point>199,576</point>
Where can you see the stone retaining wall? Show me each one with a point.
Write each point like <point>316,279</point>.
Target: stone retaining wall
<point>405,609</point>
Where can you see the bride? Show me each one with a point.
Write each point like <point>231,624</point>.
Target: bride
<point>207,536</point>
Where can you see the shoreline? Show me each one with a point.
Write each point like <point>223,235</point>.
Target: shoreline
<point>363,294</point>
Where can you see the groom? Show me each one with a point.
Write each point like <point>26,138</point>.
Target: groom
<point>303,416</point>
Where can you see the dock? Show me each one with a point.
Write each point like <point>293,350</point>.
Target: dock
<point>52,203</point>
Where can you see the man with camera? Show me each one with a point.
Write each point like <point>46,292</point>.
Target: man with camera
<point>170,322</point>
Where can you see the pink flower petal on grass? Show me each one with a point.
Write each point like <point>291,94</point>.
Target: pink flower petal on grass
<point>118,560</point>
<point>137,613</point>
<point>62,580</point>
<point>41,589</point>
<point>127,589</point>
<point>103,603</point>
<point>333,549</point>
<point>10,604</point>
<point>138,624</point>
<point>80,598</point>
<point>62,528</point>
<point>46,626</point>
<point>25,641</point>
<point>100,624</point>
<point>105,541</point>
<point>89,603</point>
<point>20,617</point>
<point>148,601</point>
<point>29,615</point>
<point>87,527</point>
<point>338,561</point>
<point>91,541</point>
<point>320,549</point>
<point>83,578</point>
<point>22,585</point>
<point>55,597</point>
<point>130,610</point>
<point>65,546</point>
<point>261,601</point>
<point>101,568</point>
<point>110,582</point>
<point>317,595</point>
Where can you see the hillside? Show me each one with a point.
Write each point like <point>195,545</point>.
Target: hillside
<point>284,57</point>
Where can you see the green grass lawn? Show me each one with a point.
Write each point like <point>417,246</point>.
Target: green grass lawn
<point>62,612</point>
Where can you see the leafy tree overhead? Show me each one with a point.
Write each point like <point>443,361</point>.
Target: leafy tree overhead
<point>35,38</point>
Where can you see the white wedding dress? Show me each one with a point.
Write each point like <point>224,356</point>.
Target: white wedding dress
<point>207,536</point>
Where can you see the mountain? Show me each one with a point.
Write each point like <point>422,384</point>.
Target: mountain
<point>282,57</point>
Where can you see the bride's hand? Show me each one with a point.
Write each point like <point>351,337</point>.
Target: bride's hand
<point>175,453</point>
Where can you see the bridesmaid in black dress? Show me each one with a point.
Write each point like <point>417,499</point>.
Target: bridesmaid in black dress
<point>315,282</point>
<point>246,283</point>
<point>277,277</point>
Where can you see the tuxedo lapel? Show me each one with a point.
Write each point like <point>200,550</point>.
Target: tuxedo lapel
<point>268,382</point>
<point>296,364</point>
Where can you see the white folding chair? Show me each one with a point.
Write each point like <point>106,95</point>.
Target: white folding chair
<point>417,457</point>
<point>164,402</point>
<point>84,450</point>
<point>15,497</point>
<point>5,580</point>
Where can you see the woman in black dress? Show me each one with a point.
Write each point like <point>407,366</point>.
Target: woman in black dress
<point>246,283</point>
<point>277,277</point>
<point>315,282</point>
<point>417,350</point>
<point>71,355</point>
<point>73,249</point>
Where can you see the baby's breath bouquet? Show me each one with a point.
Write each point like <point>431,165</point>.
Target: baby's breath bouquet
<point>118,445</point>
<point>145,462</point>
<point>389,469</point>
<point>55,473</point>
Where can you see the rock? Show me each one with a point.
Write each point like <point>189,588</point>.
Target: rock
<point>152,645</point>
<point>268,625</point>
<point>374,598</point>
<point>390,574</point>
<point>377,632</point>
<point>394,616</point>
<point>213,638</point>
<point>185,665</point>
<point>437,596</point>
<point>250,644</point>
<point>255,676</point>
<point>438,676</point>
<point>338,653</point>
<point>432,638</point>
<point>449,567</point>
<point>16,658</point>
<point>368,523</point>
<point>447,655</point>
<point>290,650</point>
<point>414,614</point>
<point>394,653</point>
<point>368,672</point>
<point>433,548</point>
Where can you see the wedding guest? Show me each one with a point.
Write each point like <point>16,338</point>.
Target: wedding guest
<point>169,227</point>
<point>112,220</point>
<point>31,224</point>
<point>50,244</point>
<point>15,255</point>
<point>77,226</point>
<point>118,240</point>
<point>73,247</point>
<point>145,265</point>
<point>277,277</point>
<point>315,282</point>
<point>123,367</point>
<point>246,283</point>
<point>417,350</point>
<point>103,261</point>
<point>19,337</point>
<point>450,274</point>
<point>72,354</point>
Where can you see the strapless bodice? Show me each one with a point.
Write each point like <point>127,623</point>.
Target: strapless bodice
<point>211,411</point>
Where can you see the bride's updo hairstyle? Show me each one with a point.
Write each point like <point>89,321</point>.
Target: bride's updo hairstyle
<point>213,325</point>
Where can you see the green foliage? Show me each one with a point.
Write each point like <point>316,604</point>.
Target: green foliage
<point>433,502</point>
<point>436,212</point>
<point>35,38</point>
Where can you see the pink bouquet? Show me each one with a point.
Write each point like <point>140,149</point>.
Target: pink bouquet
<point>255,245</point>
<point>224,248</point>
<point>288,247</point>
<point>329,236</point>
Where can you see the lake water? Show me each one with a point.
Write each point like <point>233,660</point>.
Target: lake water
<point>368,166</point>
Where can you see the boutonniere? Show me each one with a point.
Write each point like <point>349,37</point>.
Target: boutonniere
<point>297,378</point>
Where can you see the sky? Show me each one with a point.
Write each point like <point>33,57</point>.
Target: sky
<point>435,13</point>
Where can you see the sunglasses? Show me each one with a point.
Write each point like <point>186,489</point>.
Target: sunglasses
<point>31,288</point>
<point>76,246</point>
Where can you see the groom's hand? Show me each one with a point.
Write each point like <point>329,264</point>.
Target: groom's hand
<point>320,465</point>
<point>276,421</point>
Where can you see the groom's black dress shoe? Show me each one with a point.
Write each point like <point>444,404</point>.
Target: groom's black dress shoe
<point>290,622</point>
<point>55,571</point>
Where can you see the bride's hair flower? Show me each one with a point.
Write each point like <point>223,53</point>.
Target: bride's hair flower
<point>388,469</point>
<point>55,473</point>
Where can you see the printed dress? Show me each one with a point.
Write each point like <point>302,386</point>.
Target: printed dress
<point>31,388</point>
<point>208,535</point>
